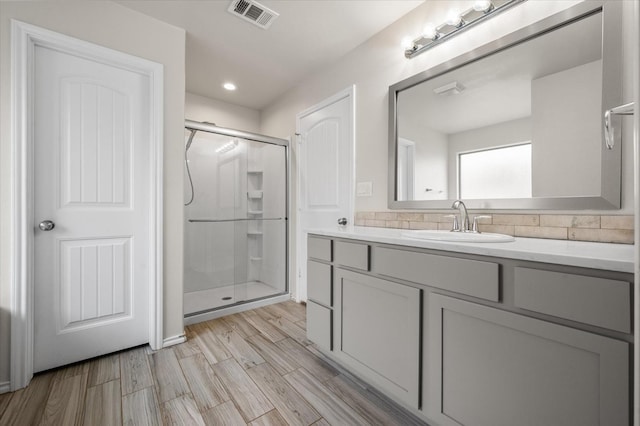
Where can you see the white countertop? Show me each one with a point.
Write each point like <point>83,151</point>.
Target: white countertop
<point>611,257</point>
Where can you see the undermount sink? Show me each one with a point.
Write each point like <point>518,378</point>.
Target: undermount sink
<point>463,237</point>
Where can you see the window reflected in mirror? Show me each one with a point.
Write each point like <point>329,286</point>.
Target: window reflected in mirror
<point>509,176</point>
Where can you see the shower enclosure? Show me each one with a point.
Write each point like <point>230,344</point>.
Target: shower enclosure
<point>235,217</point>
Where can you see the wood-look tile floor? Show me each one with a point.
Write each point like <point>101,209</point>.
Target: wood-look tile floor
<point>252,368</point>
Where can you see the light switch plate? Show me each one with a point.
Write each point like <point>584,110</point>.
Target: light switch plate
<point>364,189</point>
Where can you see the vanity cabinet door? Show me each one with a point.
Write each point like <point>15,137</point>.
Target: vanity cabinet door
<point>490,367</point>
<point>378,324</point>
<point>319,282</point>
<point>319,325</point>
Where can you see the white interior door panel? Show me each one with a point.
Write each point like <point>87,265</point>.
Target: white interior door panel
<point>92,181</point>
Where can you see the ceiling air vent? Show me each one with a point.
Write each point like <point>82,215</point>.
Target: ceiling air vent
<point>253,12</point>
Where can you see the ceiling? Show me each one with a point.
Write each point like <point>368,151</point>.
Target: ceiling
<point>264,64</point>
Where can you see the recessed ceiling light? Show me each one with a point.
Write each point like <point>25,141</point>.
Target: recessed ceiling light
<point>229,86</point>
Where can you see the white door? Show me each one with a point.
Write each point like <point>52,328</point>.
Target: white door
<point>325,171</point>
<point>406,166</point>
<point>92,180</point>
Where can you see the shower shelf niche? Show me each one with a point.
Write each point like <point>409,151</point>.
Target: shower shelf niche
<point>255,210</point>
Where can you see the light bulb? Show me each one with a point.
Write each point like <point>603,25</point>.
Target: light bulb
<point>229,86</point>
<point>430,31</point>
<point>453,18</point>
<point>482,5</point>
<point>407,43</point>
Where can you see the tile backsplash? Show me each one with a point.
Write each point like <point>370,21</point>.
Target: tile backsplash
<point>606,229</point>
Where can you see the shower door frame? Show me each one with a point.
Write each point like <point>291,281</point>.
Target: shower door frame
<point>254,137</point>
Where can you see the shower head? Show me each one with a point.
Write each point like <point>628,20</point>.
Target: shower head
<point>193,133</point>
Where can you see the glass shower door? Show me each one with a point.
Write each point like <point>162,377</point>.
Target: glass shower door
<point>235,227</point>
<point>265,222</point>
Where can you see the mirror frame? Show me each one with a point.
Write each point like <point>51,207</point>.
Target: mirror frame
<point>611,160</point>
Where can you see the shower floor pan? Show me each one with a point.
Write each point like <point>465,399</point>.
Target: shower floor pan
<point>204,300</point>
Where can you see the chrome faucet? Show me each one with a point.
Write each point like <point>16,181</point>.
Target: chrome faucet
<point>464,216</point>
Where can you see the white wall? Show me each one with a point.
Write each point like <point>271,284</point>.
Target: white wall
<point>223,114</point>
<point>566,125</point>
<point>111,25</point>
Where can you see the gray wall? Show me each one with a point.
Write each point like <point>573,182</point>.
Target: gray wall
<point>566,126</point>
<point>385,64</point>
<point>223,114</point>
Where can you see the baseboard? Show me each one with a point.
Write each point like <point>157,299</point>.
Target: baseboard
<point>5,387</point>
<point>174,340</point>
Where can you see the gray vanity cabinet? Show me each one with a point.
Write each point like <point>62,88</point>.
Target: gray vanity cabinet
<point>490,367</point>
<point>378,332</point>
<point>463,339</point>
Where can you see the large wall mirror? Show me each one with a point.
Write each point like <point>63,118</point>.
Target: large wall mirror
<point>514,124</point>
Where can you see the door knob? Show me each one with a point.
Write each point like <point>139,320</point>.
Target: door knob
<point>46,225</point>
<point>342,221</point>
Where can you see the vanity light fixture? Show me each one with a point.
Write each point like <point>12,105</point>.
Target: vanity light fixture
<point>455,23</point>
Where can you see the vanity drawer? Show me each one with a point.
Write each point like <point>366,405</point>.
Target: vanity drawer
<point>319,282</point>
<point>597,301</point>
<point>319,248</point>
<point>319,325</point>
<point>470,277</point>
<point>354,255</point>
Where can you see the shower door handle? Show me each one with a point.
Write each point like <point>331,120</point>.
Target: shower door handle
<point>342,221</point>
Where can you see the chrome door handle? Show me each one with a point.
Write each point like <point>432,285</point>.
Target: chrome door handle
<point>342,221</point>
<point>46,225</point>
